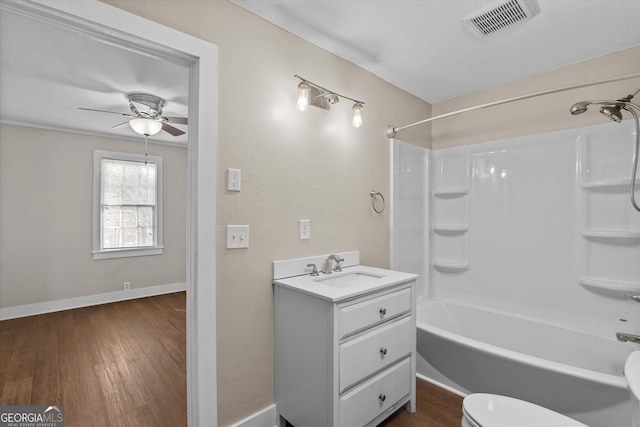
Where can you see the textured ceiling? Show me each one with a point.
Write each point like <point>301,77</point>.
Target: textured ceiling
<point>422,46</point>
<point>48,71</point>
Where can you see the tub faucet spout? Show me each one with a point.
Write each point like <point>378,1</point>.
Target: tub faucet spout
<point>624,337</point>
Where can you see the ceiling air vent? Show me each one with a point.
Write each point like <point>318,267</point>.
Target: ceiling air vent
<point>499,17</point>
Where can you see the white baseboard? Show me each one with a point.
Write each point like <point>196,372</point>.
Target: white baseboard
<point>267,416</point>
<point>263,418</point>
<point>86,301</point>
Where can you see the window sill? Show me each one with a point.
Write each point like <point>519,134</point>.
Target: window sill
<point>125,253</point>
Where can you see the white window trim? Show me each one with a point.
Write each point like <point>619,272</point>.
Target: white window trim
<point>99,253</point>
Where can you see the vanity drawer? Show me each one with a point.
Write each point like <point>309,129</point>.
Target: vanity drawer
<point>366,354</point>
<point>356,317</point>
<point>370,399</point>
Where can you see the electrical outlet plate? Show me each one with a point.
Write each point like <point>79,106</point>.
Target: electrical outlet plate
<point>237,236</point>
<point>233,179</point>
<point>305,229</point>
<point>126,286</point>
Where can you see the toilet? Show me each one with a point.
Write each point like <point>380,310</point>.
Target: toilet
<point>492,410</point>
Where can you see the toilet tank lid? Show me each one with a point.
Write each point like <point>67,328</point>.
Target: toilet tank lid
<point>632,373</point>
<point>502,411</point>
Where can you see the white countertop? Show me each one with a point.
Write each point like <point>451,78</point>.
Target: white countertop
<point>314,285</point>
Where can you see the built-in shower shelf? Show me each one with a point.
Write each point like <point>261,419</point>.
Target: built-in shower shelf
<point>617,287</point>
<point>451,193</point>
<point>623,235</point>
<point>450,229</point>
<point>609,185</point>
<point>447,266</point>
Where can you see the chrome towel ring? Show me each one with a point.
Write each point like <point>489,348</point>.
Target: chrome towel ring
<point>376,200</point>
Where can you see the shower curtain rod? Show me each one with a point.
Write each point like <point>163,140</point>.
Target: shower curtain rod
<point>392,131</point>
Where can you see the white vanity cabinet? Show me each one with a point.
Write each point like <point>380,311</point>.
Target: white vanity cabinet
<point>344,360</point>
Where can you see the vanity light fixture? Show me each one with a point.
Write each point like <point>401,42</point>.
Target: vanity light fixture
<point>312,94</point>
<point>145,127</point>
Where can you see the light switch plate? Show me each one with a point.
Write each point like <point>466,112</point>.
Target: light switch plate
<point>237,236</point>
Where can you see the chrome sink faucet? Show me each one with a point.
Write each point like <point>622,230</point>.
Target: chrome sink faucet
<point>328,264</point>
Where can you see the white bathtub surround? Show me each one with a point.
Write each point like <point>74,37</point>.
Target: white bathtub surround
<point>538,227</point>
<point>345,346</point>
<point>410,211</point>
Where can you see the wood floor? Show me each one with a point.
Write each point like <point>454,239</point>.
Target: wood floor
<point>435,407</point>
<point>120,364</point>
<point>124,364</point>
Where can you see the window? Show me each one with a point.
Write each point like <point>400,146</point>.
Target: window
<point>127,205</point>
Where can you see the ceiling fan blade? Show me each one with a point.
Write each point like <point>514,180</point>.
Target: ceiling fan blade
<point>120,125</point>
<point>110,112</point>
<point>177,120</point>
<point>170,129</point>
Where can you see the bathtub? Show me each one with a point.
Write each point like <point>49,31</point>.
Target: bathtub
<point>472,349</point>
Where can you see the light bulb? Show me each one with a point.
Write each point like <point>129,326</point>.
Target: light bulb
<point>146,127</point>
<point>303,98</point>
<point>357,115</point>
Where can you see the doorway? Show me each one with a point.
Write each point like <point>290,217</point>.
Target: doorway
<point>114,26</point>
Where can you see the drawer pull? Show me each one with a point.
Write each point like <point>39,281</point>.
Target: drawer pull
<point>383,311</point>
<point>383,351</point>
<point>382,397</point>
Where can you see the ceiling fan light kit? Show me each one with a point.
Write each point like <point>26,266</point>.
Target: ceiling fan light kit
<point>147,118</point>
<point>146,127</point>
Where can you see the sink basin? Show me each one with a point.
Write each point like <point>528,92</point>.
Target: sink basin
<point>348,279</point>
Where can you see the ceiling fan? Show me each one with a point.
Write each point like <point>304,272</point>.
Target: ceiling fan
<point>147,110</point>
